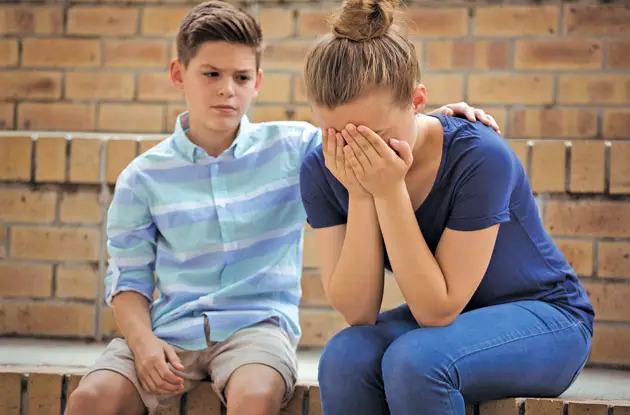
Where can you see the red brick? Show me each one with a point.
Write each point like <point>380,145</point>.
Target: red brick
<point>108,324</point>
<point>80,244</point>
<point>276,22</point>
<point>319,326</point>
<point>594,89</point>
<point>501,407</point>
<point>310,256</point>
<point>579,254</point>
<point>588,218</point>
<point>3,241</point>
<point>558,54</point>
<point>119,155</point>
<point>61,53</point>
<point>622,409</point>
<point>613,259</point>
<point>444,88</point>
<point>611,344</point>
<point>295,405</point>
<point>6,115</point>
<point>312,290</point>
<point>278,113</point>
<point>587,166</point>
<point>31,20</point>
<point>162,21</point>
<point>44,394</point>
<point>103,21</point>
<point>618,57</point>
<point>553,123</point>
<point>8,52</point>
<point>157,87</point>
<point>548,167</point>
<point>50,155</point>
<point>99,86</point>
<point>25,205</point>
<point>77,282</point>
<point>521,149</point>
<point>132,118</point>
<point>47,318</point>
<point>392,297</point>
<point>516,20</point>
<point>85,160</point>
<point>580,408</point>
<point>276,88</point>
<point>10,384</point>
<point>510,89</point>
<point>314,401</point>
<point>72,382</point>
<point>437,22</point>
<point>299,89</point>
<point>620,167</point>
<point>57,116</point>
<point>465,54</point>
<point>285,55</point>
<point>15,158</point>
<point>25,280</point>
<point>312,23</point>
<point>80,207</point>
<point>597,20</point>
<point>610,300</point>
<point>544,407</point>
<point>616,123</point>
<point>147,144</point>
<point>31,84</point>
<point>136,54</point>
<point>203,401</point>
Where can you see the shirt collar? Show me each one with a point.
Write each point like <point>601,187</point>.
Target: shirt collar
<point>193,152</point>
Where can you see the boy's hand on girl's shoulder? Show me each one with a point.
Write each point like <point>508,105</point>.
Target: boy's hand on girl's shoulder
<point>471,113</point>
<point>151,360</point>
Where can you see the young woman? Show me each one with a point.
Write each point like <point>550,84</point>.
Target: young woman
<point>492,307</point>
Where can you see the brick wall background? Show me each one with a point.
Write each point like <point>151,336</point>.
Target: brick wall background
<point>555,75</point>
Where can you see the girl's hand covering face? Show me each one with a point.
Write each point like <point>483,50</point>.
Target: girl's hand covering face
<point>333,148</point>
<point>377,165</point>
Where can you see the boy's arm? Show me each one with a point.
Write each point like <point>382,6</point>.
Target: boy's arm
<point>130,283</point>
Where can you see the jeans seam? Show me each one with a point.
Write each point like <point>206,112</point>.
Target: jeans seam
<point>510,341</point>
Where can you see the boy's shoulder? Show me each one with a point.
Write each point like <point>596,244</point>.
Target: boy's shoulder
<point>161,155</point>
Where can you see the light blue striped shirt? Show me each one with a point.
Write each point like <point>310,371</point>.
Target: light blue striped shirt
<point>223,235</point>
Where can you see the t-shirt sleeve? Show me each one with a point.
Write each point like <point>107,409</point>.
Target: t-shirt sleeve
<point>484,186</point>
<point>322,209</point>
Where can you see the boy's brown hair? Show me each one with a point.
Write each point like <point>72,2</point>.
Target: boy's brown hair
<point>364,51</point>
<point>217,20</point>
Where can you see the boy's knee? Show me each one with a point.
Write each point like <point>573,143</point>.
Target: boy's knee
<point>84,400</point>
<point>256,399</point>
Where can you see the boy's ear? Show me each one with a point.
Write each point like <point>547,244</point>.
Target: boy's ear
<point>419,98</point>
<point>257,85</point>
<point>177,74</point>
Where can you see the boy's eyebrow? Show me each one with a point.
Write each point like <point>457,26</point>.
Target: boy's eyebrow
<point>214,68</point>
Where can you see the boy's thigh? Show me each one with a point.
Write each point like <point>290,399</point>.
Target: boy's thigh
<point>118,358</point>
<point>263,345</point>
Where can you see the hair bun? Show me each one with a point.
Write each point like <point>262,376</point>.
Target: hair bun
<point>362,20</point>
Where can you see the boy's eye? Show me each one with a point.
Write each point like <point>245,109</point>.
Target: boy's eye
<point>211,74</point>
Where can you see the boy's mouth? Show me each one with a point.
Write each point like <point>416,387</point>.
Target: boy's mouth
<point>226,109</point>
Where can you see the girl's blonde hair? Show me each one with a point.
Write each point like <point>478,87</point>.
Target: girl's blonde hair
<point>365,51</point>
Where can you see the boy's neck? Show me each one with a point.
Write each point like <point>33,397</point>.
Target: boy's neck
<point>213,142</point>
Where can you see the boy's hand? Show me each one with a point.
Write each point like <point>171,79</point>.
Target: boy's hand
<point>471,113</point>
<point>151,358</point>
<point>333,147</point>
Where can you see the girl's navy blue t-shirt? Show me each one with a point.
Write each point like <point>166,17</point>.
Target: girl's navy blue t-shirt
<point>480,182</point>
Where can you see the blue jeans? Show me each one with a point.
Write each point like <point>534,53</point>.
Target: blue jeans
<point>525,348</point>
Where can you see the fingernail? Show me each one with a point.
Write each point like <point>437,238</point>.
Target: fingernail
<point>350,128</point>
<point>393,140</point>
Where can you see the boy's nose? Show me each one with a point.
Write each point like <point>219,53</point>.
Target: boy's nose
<point>226,88</point>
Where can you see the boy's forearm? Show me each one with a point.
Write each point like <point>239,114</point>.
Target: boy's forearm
<point>131,311</point>
<point>356,286</point>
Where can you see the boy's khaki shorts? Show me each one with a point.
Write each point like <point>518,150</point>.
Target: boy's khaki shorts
<point>264,343</point>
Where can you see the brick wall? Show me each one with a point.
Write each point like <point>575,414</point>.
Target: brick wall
<point>556,76</point>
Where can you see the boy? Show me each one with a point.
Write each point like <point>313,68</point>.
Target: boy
<point>215,211</point>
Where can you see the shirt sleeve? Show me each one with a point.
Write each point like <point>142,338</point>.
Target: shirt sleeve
<point>311,138</point>
<point>485,183</point>
<point>322,210</point>
<point>131,244</point>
